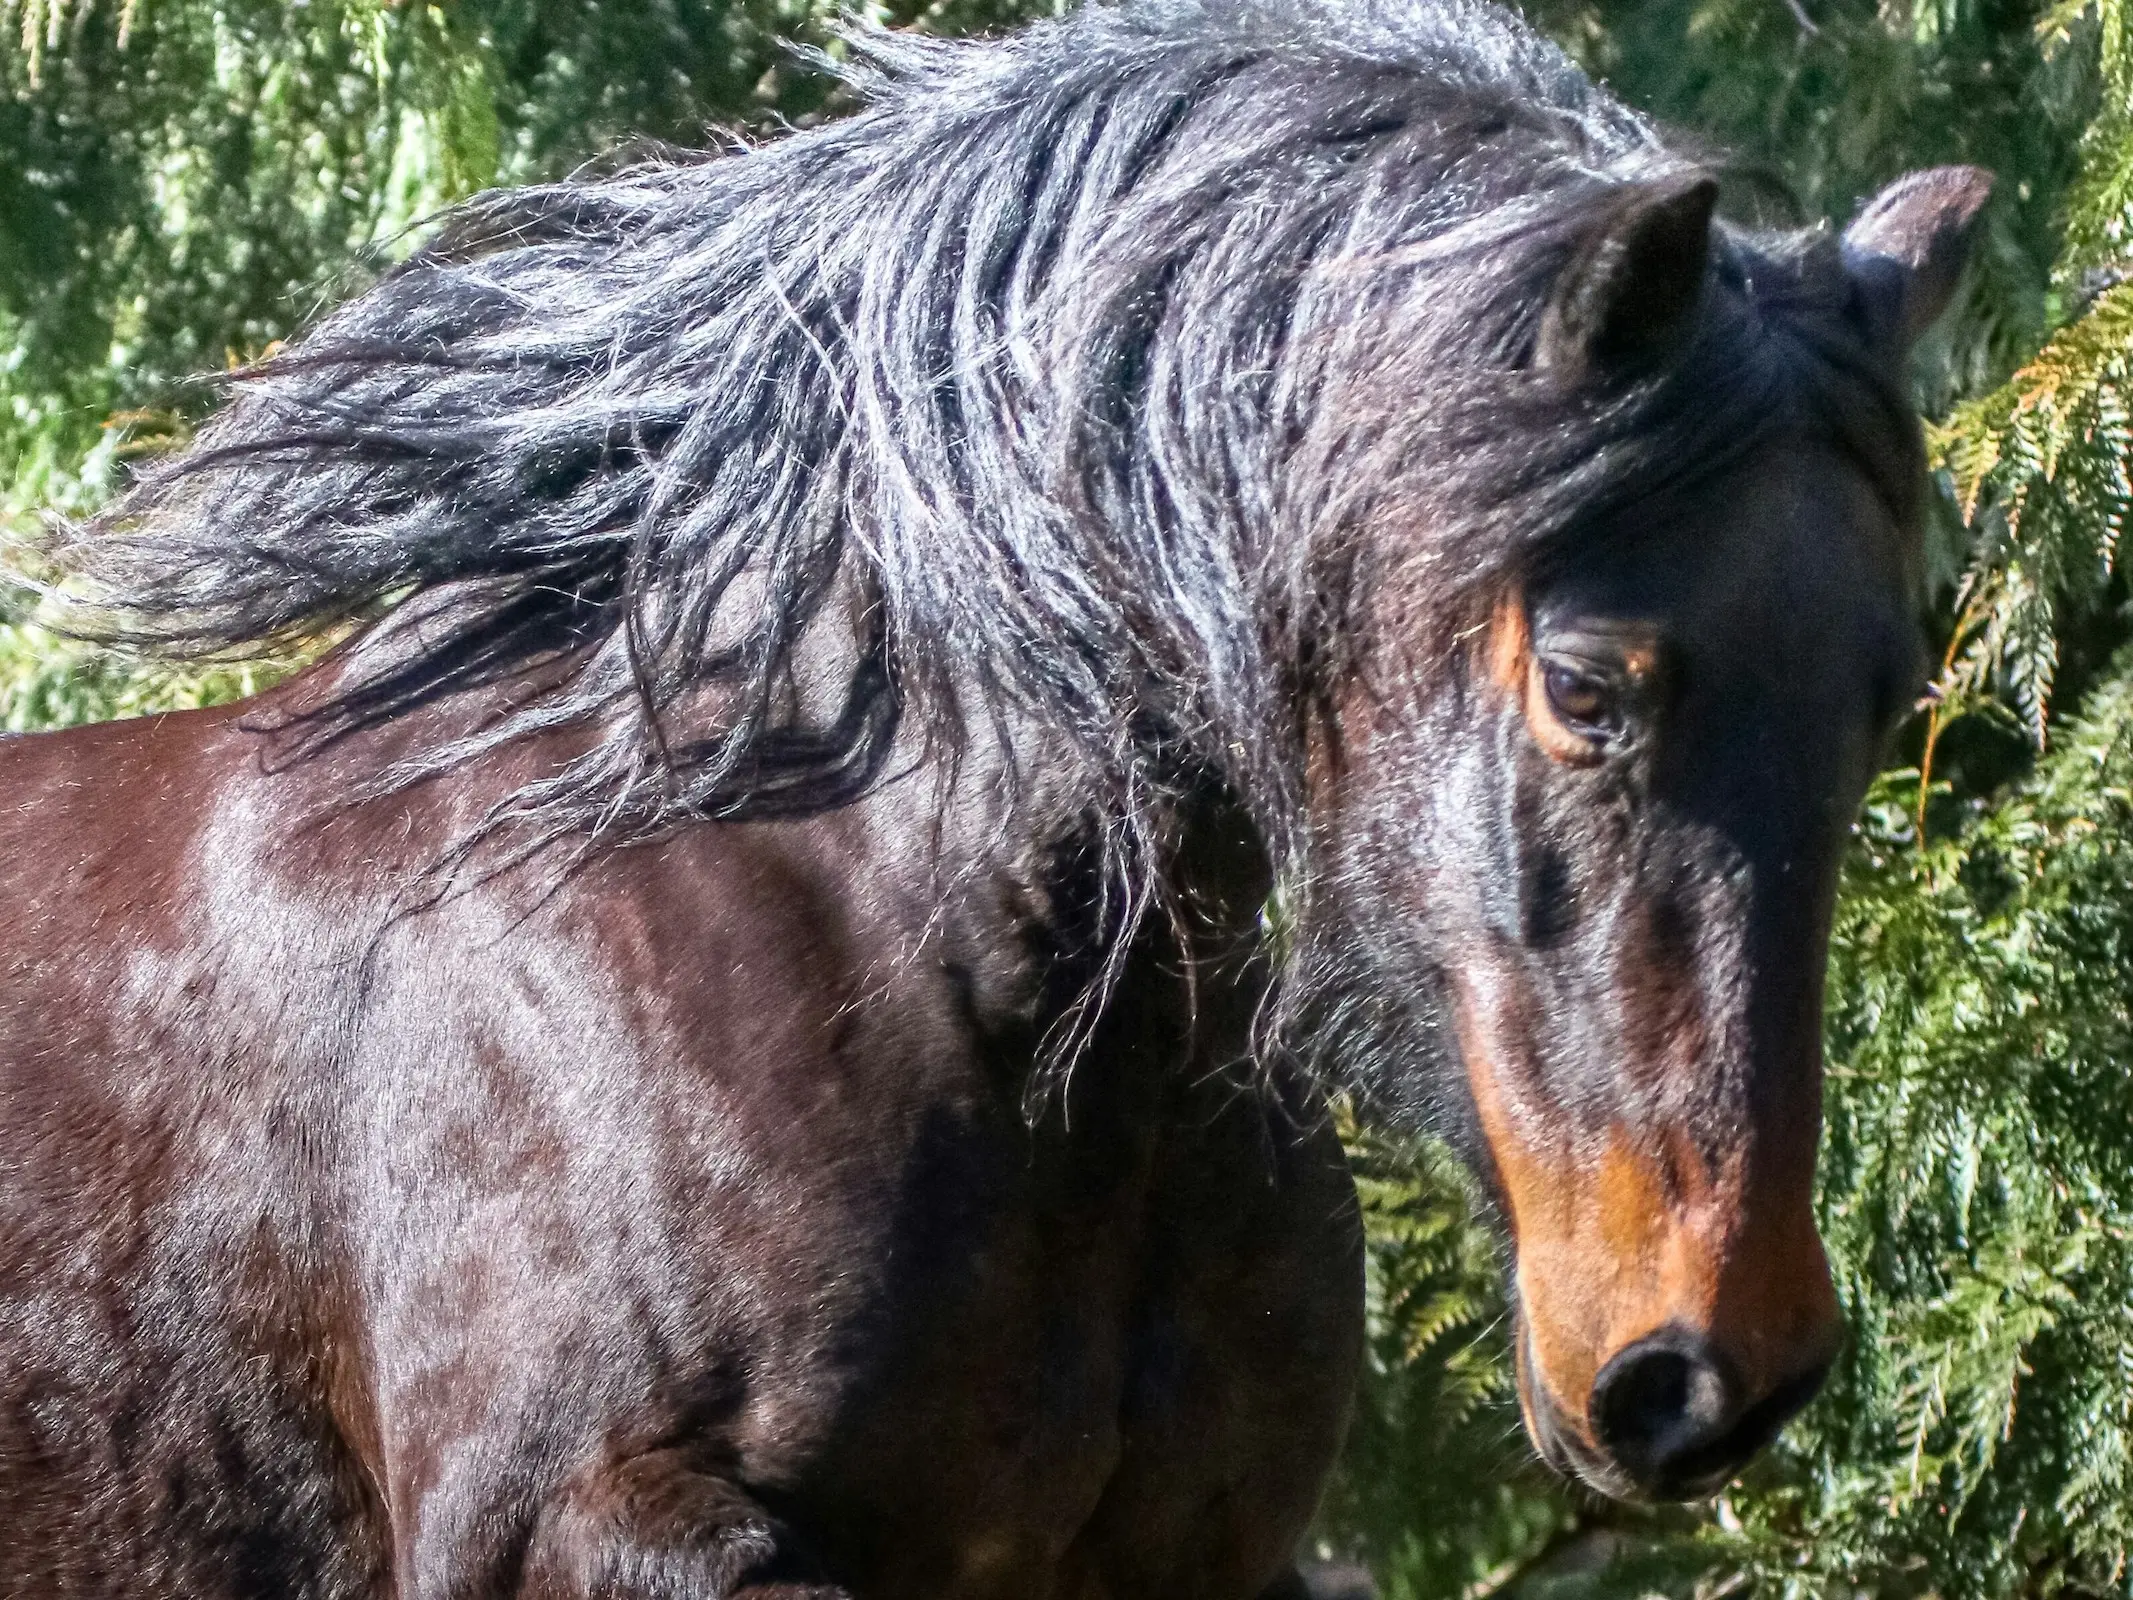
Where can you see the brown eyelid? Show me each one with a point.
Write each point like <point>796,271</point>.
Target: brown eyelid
<point>1627,652</point>
<point>1560,741</point>
<point>1629,657</point>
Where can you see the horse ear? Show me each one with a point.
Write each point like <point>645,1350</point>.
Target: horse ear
<point>1907,249</point>
<point>1629,295</point>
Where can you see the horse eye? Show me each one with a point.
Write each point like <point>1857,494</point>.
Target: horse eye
<point>1580,699</point>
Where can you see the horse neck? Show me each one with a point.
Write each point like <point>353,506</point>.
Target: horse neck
<point>1182,984</point>
<point>997,854</point>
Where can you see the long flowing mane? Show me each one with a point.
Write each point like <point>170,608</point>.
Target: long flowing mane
<point>1079,378</point>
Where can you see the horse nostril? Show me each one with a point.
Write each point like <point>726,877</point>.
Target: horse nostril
<point>1656,1402</point>
<point>1670,1413</point>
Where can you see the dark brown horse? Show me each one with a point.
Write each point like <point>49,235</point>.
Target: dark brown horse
<point>915,696</point>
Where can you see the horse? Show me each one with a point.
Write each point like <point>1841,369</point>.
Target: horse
<point>898,713</point>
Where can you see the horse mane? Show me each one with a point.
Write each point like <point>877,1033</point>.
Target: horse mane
<point>1067,383</point>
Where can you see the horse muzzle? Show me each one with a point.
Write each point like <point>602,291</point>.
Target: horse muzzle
<point>1668,1418</point>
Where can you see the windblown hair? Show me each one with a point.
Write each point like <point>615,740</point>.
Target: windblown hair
<point>1080,380</point>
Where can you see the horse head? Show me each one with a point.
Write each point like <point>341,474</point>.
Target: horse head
<point>1597,851</point>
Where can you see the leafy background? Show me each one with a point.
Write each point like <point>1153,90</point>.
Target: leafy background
<point>184,181</point>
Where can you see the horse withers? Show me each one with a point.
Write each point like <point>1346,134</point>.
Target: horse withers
<point>915,700</point>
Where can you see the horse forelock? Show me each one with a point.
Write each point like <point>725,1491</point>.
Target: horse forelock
<point>1070,384</point>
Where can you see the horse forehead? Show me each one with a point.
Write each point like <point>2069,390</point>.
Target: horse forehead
<point>1813,514</point>
<point>1791,563</point>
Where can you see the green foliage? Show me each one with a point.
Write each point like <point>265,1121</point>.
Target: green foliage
<point>1978,1191</point>
<point>2039,469</point>
<point>2100,209</point>
<point>179,200</point>
<point>2038,465</point>
<point>56,683</point>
